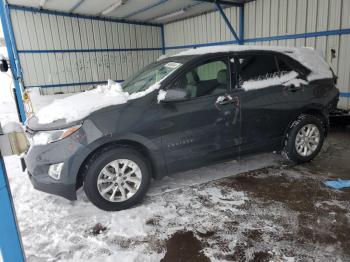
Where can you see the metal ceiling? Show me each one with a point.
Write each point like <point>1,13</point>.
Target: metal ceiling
<point>149,11</point>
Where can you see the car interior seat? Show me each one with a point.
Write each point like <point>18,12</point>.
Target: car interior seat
<point>222,82</point>
<point>191,86</point>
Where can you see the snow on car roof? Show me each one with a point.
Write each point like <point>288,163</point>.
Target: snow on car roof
<point>307,56</point>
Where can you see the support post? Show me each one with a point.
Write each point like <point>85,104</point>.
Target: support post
<point>13,55</point>
<point>162,39</point>
<point>241,25</point>
<point>218,6</point>
<point>10,240</point>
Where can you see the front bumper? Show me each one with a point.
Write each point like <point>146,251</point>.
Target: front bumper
<point>67,191</point>
<point>39,158</point>
<point>71,151</point>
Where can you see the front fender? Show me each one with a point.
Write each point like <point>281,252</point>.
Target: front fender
<point>155,154</point>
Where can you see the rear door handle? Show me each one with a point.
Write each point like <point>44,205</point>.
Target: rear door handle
<point>294,88</point>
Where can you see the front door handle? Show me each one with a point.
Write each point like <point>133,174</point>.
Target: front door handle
<point>224,100</point>
<point>227,99</point>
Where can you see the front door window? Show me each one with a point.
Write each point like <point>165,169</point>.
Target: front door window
<point>209,78</point>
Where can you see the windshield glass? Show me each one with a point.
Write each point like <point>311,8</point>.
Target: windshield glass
<point>148,76</point>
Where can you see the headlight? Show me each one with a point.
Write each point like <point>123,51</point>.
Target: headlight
<point>46,137</point>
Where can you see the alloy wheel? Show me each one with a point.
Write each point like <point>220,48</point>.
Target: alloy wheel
<point>307,140</point>
<point>119,180</point>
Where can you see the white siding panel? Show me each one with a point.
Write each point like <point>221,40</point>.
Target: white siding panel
<point>344,55</point>
<point>202,29</point>
<point>333,41</point>
<point>62,35</point>
<point>282,21</point>
<point>301,18</point>
<point>274,19</point>
<point>311,25</point>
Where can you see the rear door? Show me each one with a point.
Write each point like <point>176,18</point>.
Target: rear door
<point>270,92</point>
<point>203,127</point>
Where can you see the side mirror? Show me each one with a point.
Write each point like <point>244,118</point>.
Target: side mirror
<point>175,95</point>
<point>4,66</point>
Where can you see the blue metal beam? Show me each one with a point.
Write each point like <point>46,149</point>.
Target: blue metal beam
<point>72,84</point>
<point>162,34</point>
<point>345,31</point>
<point>11,248</point>
<point>47,51</point>
<point>241,25</point>
<point>344,94</point>
<point>220,2</point>
<point>227,21</point>
<point>13,56</point>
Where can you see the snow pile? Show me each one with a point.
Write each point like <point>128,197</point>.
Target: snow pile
<point>307,56</point>
<point>161,95</point>
<point>80,105</point>
<point>296,82</point>
<point>39,101</point>
<point>12,127</point>
<point>311,59</point>
<point>285,79</point>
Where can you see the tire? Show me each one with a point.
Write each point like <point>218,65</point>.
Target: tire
<point>295,142</point>
<point>102,169</point>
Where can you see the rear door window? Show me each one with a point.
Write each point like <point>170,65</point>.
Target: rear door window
<point>263,70</point>
<point>257,67</point>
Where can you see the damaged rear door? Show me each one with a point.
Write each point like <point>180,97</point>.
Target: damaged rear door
<point>271,92</point>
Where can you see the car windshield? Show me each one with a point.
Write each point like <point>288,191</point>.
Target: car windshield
<point>150,75</point>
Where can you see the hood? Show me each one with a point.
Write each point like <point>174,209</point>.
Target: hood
<point>33,124</point>
<point>73,109</point>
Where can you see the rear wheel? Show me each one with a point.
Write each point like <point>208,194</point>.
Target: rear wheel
<point>116,179</point>
<point>304,139</point>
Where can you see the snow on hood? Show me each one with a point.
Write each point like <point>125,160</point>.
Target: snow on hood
<point>307,56</point>
<point>79,106</point>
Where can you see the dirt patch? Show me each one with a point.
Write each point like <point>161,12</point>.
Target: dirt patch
<point>154,221</point>
<point>322,221</point>
<point>97,229</point>
<point>333,160</point>
<point>184,246</point>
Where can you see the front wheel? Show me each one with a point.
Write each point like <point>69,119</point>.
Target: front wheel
<point>304,139</point>
<point>116,179</point>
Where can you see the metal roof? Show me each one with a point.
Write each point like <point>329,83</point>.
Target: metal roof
<point>149,11</point>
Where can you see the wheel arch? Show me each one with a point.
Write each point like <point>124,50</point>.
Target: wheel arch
<point>311,111</point>
<point>152,155</point>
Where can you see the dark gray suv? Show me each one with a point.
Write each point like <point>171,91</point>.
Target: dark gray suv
<point>210,105</point>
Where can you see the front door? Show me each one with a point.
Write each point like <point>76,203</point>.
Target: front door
<point>206,125</point>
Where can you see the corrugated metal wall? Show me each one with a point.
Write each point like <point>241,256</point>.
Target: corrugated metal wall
<point>203,29</point>
<point>277,22</point>
<point>68,54</point>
